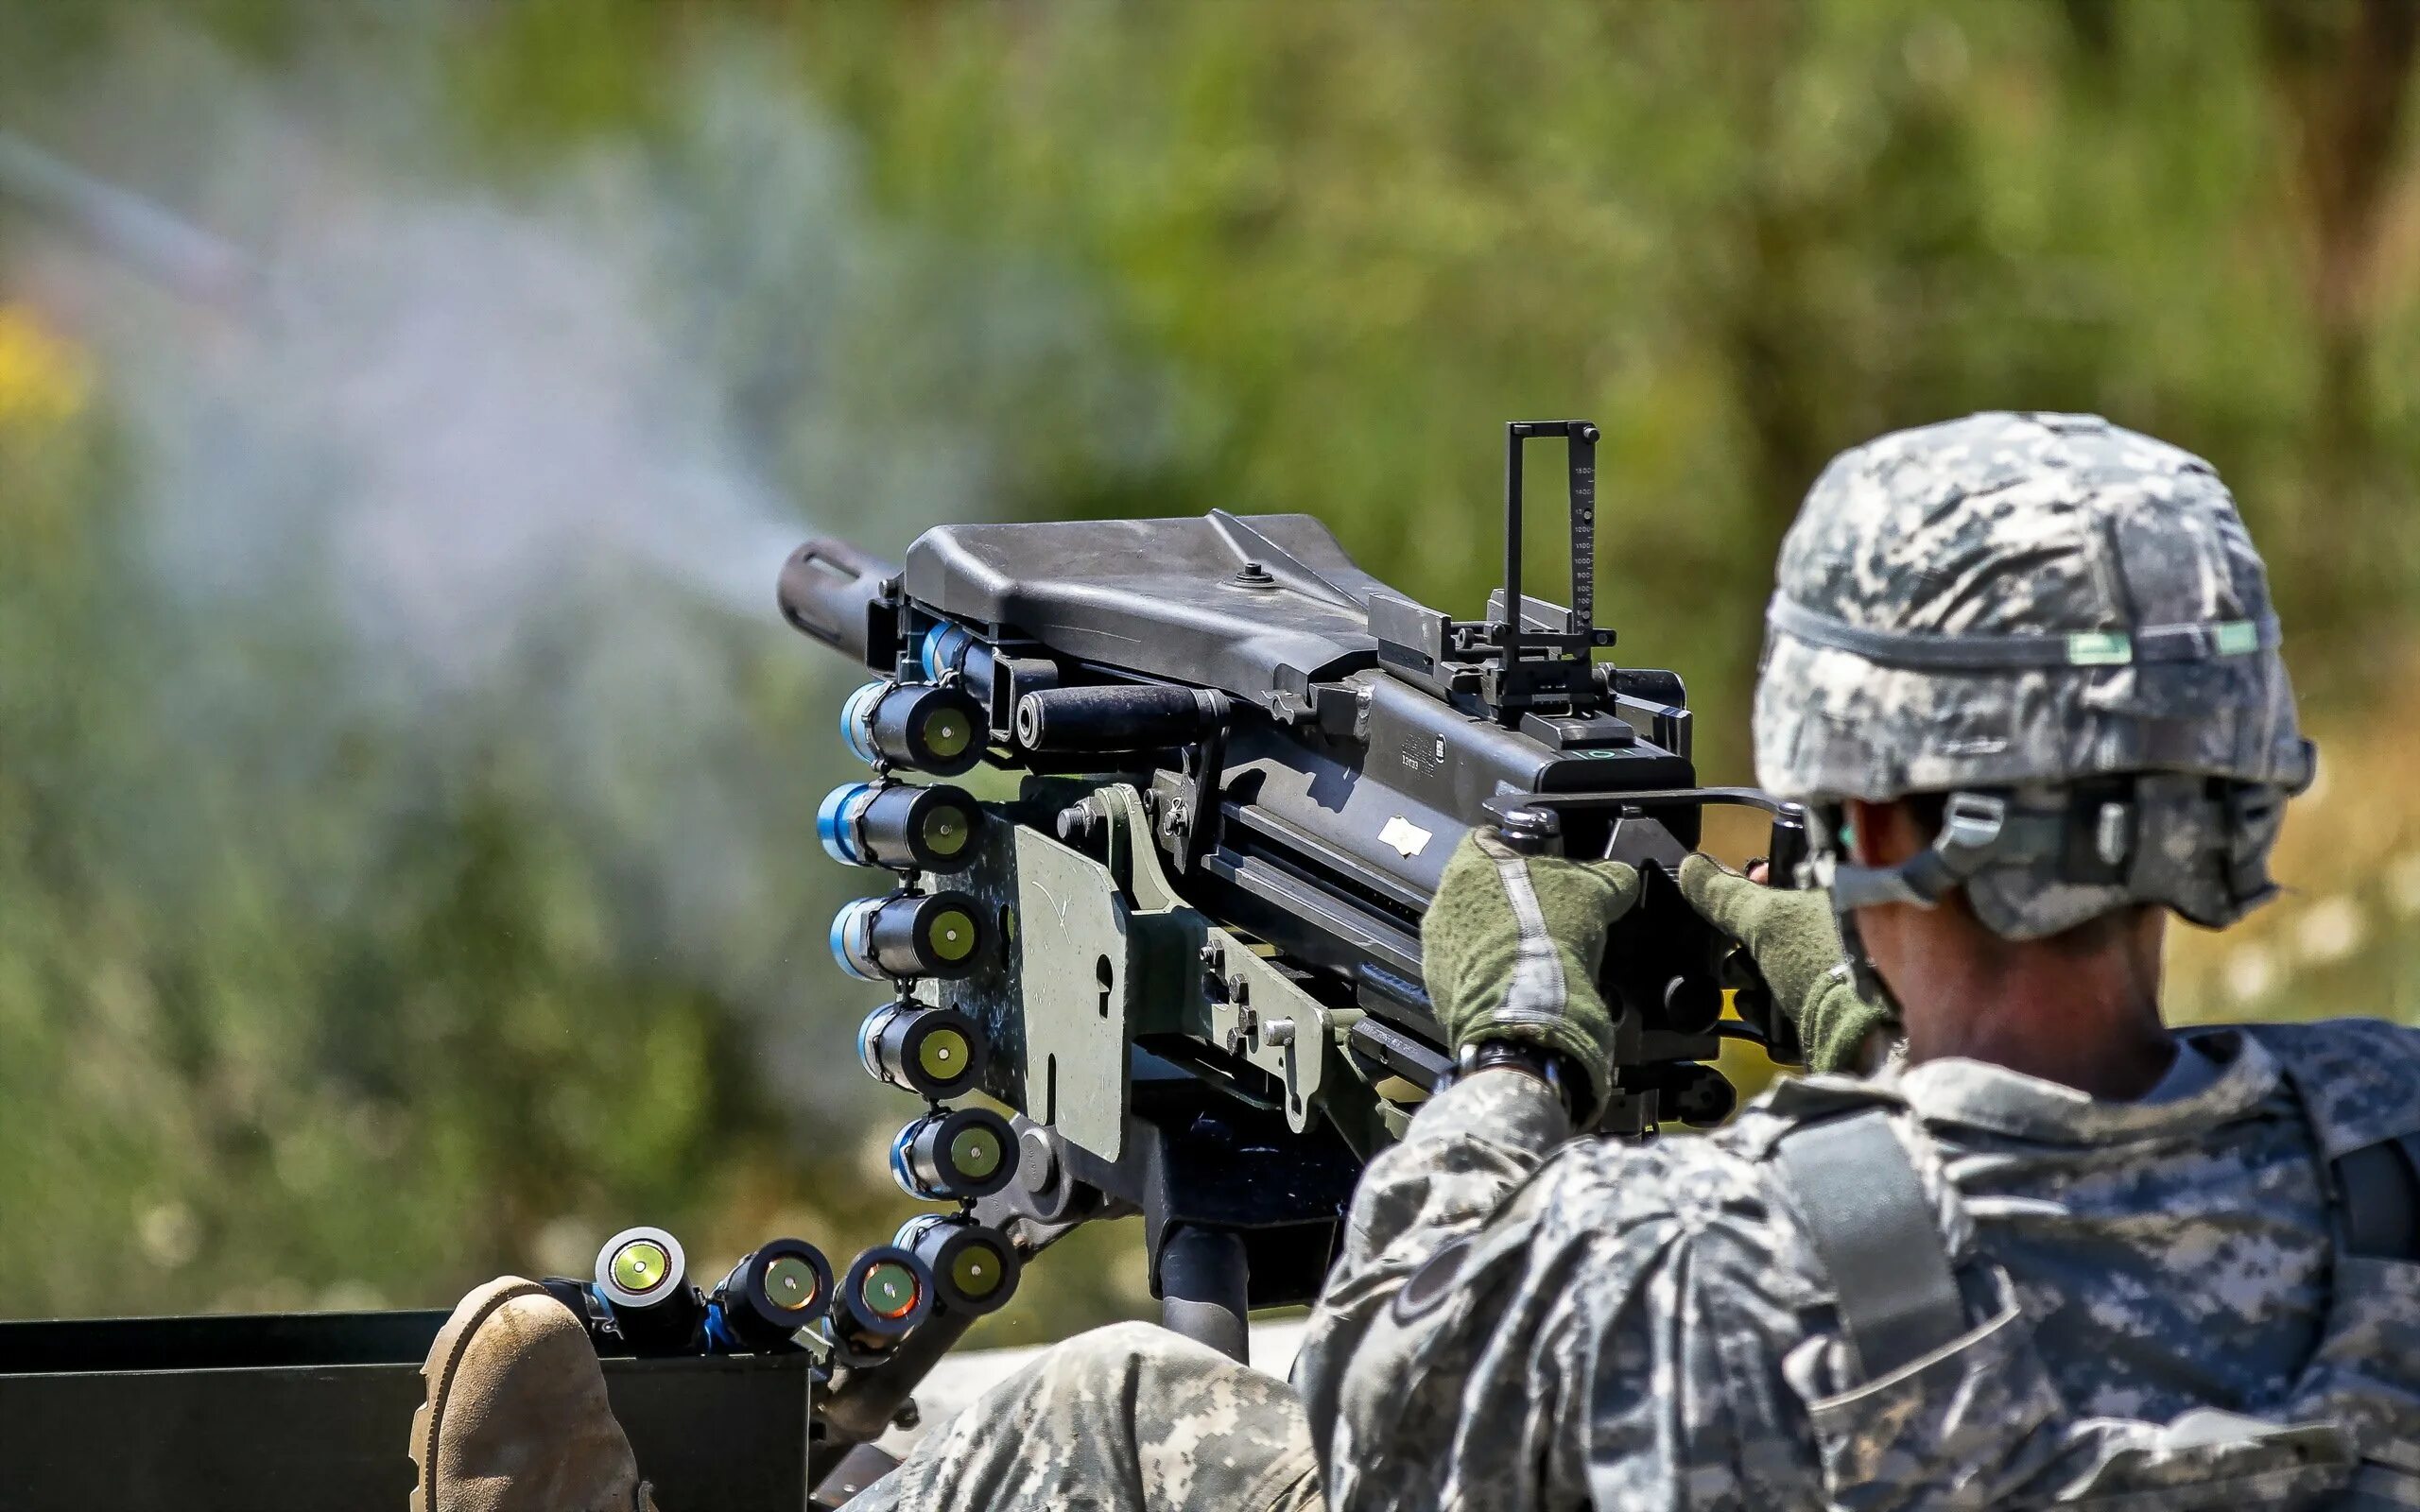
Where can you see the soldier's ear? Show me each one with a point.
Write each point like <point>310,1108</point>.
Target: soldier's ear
<point>1883,834</point>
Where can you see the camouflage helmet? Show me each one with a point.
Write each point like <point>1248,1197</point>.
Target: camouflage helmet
<point>2063,625</point>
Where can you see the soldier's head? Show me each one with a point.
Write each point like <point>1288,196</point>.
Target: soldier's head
<point>2043,646</point>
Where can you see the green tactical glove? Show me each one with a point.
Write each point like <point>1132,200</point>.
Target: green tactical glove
<point>1796,945</point>
<point>1512,945</point>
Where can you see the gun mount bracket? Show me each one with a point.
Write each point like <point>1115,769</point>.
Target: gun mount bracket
<point>1226,990</point>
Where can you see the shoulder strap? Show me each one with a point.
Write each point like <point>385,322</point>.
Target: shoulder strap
<point>1874,1231</point>
<point>2378,1199</point>
<point>2358,1081</point>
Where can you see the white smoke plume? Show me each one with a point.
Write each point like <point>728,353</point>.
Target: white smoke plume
<point>509,464</point>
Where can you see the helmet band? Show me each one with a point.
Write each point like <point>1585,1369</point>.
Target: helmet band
<point>1922,651</point>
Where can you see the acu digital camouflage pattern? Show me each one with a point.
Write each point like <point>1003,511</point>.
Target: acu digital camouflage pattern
<point>1129,1418</point>
<point>1514,1326</point>
<point>2033,525</point>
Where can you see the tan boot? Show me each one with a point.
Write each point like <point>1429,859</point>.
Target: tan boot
<point>516,1418</point>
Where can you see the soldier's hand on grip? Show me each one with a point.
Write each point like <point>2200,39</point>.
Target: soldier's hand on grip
<point>1797,946</point>
<point>1512,945</point>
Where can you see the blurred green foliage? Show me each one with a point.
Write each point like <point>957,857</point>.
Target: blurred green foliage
<point>1354,238</point>
<point>216,1077</point>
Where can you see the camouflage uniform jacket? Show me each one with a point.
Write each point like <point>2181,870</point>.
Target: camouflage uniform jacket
<point>1519,1322</point>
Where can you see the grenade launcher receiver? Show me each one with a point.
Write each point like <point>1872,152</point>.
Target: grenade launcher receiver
<point>1187,953</point>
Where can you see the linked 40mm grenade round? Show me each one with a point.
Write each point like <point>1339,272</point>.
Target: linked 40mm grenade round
<point>937,935</point>
<point>952,648</point>
<point>923,726</point>
<point>785,1285</point>
<point>885,1294</point>
<point>643,1278</point>
<point>900,826</point>
<point>955,1155</point>
<point>975,1268</point>
<point>935,1052</point>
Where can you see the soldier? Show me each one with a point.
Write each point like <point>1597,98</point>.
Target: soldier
<point>2024,670</point>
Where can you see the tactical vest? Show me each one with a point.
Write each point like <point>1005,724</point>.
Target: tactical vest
<point>1956,1408</point>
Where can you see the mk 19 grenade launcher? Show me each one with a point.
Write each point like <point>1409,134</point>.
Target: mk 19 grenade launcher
<point>1187,953</point>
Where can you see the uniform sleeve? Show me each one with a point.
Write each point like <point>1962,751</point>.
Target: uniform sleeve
<point>1602,1330</point>
<point>1473,1142</point>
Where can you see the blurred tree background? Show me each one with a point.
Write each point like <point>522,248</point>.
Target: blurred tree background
<point>397,885</point>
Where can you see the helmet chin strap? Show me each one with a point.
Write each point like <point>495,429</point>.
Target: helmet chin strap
<point>1826,869</point>
<point>1868,981</point>
<point>2106,833</point>
<point>1977,829</point>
